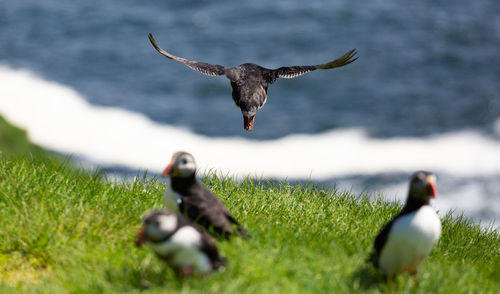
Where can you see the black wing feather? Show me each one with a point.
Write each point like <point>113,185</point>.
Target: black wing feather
<point>205,68</point>
<point>379,243</point>
<point>203,207</point>
<point>289,72</point>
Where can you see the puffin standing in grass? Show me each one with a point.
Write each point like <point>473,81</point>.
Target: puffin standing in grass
<point>179,242</point>
<point>250,81</point>
<point>408,238</point>
<point>194,200</point>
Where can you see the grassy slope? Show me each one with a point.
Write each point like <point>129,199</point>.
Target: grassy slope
<point>67,230</point>
<point>13,141</point>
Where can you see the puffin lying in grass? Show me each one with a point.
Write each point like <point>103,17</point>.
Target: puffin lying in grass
<point>408,238</point>
<point>250,81</point>
<point>186,195</point>
<point>179,242</point>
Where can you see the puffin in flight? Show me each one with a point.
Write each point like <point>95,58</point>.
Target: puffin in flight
<point>409,237</point>
<point>250,81</point>
<point>180,243</point>
<point>186,195</point>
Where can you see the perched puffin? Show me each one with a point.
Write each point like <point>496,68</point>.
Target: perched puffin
<point>179,242</point>
<point>410,236</point>
<point>194,200</point>
<point>250,81</point>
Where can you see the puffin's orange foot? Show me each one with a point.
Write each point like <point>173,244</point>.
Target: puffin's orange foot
<point>390,282</point>
<point>186,272</point>
<point>415,277</point>
<point>248,122</point>
<point>139,240</point>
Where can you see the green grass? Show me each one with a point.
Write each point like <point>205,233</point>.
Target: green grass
<point>66,230</point>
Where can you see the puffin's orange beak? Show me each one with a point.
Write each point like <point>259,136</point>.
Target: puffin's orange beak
<point>431,180</point>
<point>248,122</point>
<point>168,170</point>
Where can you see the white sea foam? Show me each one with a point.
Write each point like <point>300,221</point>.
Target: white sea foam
<point>58,118</point>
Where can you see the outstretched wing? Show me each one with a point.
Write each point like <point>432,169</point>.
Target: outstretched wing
<point>289,72</point>
<point>205,68</point>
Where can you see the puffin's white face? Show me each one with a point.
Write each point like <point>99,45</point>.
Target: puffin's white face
<point>158,225</point>
<point>182,165</point>
<point>423,185</point>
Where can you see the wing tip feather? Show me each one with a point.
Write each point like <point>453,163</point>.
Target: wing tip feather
<point>345,59</point>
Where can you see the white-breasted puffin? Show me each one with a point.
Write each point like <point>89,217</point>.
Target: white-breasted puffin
<point>179,242</point>
<point>250,81</point>
<point>409,237</point>
<point>194,200</point>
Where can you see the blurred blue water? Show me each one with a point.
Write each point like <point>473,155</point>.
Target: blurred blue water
<point>425,66</point>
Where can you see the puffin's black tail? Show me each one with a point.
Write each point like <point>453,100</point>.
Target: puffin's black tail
<point>240,230</point>
<point>373,259</point>
<point>243,232</point>
<point>219,263</point>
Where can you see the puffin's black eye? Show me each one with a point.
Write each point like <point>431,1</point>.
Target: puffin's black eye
<point>184,161</point>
